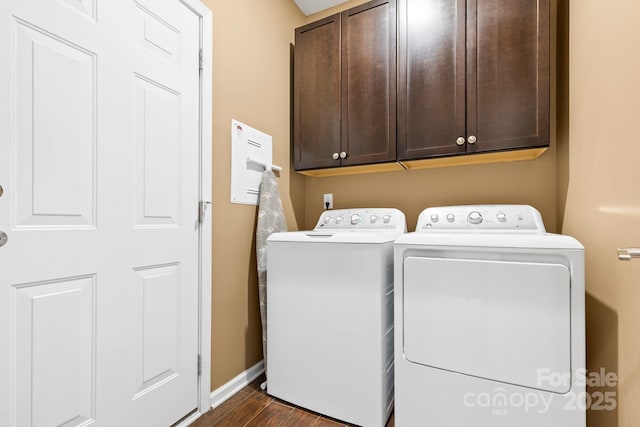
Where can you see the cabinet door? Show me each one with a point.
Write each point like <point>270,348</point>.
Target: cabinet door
<point>317,94</point>
<point>508,74</point>
<point>431,80</point>
<point>369,83</point>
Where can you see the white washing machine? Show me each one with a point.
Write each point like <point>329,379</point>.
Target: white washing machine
<point>489,315</point>
<point>330,315</point>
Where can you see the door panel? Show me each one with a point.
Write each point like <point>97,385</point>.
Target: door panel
<point>316,102</point>
<point>508,74</point>
<point>155,326</point>
<point>369,83</point>
<point>158,146</point>
<point>99,108</point>
<point>51,190</point>
<point>157,35</point>
<point>54,321</point>
<point>86,7</point>
<point>431,80</point>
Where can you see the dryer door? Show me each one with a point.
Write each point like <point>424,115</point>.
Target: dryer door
<point>502,321</point>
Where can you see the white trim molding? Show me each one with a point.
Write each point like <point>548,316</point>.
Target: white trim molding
<point>189,420</point>
<point>206,173</point>
<point>224,392</point>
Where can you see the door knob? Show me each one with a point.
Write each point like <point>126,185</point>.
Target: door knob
<point>3,238</point>
<point>343,155</point>
<point>335,156</point>
<point>472,139</point>
<point>460,141</point>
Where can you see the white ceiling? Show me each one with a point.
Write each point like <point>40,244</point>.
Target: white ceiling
<point>309,7</point>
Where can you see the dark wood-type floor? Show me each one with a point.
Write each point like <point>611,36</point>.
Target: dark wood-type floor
<point>253,407</point>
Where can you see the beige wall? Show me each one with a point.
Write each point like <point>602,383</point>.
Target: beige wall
<point>528,182</point>
<point>602,207</point>
<point>251,83</point>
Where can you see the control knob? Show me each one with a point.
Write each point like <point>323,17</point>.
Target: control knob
<point>327,219</point>
<point>451,217</point>
<point>373,219</point>
<point>434,218</point>
<point>474,217</point>
<point>386,219</point>
<point>501,216</point>
<point>355,219</point>
<point>339,220</point>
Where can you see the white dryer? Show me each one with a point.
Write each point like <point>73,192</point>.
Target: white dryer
<point>330,315</point>
<point>489,315</point>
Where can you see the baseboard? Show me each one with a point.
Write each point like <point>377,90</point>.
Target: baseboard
<point>222,393</point>
<point>189,420</point>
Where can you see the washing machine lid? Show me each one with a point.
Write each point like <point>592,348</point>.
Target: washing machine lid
<point>502,321</point>
<point>333,236</point>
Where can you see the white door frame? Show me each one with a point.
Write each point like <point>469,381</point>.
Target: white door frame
<point>205,237</point>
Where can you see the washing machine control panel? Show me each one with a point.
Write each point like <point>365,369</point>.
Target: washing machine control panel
<point>362,219</point>
<point>481,218</point>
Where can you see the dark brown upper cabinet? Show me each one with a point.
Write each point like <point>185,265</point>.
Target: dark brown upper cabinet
<point>473,76</point>
<point>316,100</point>
<point>345,88</point>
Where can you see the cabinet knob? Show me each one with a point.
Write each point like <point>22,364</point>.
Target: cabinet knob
<point>335,156</point>
<point>343,155</point>
<point>460,141</point>
<point>472,139</point>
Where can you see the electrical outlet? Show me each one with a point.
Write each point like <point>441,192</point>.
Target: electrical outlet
<point>328,201</point>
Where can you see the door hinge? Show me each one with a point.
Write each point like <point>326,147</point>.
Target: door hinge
<point>202,210</point>
<point>199,364</point>
<point>200,59</point>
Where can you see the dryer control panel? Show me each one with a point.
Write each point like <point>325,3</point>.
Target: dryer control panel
<point>481,218</point>
<point>362,219</point>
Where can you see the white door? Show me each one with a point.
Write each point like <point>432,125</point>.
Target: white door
<point>99,155</point>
